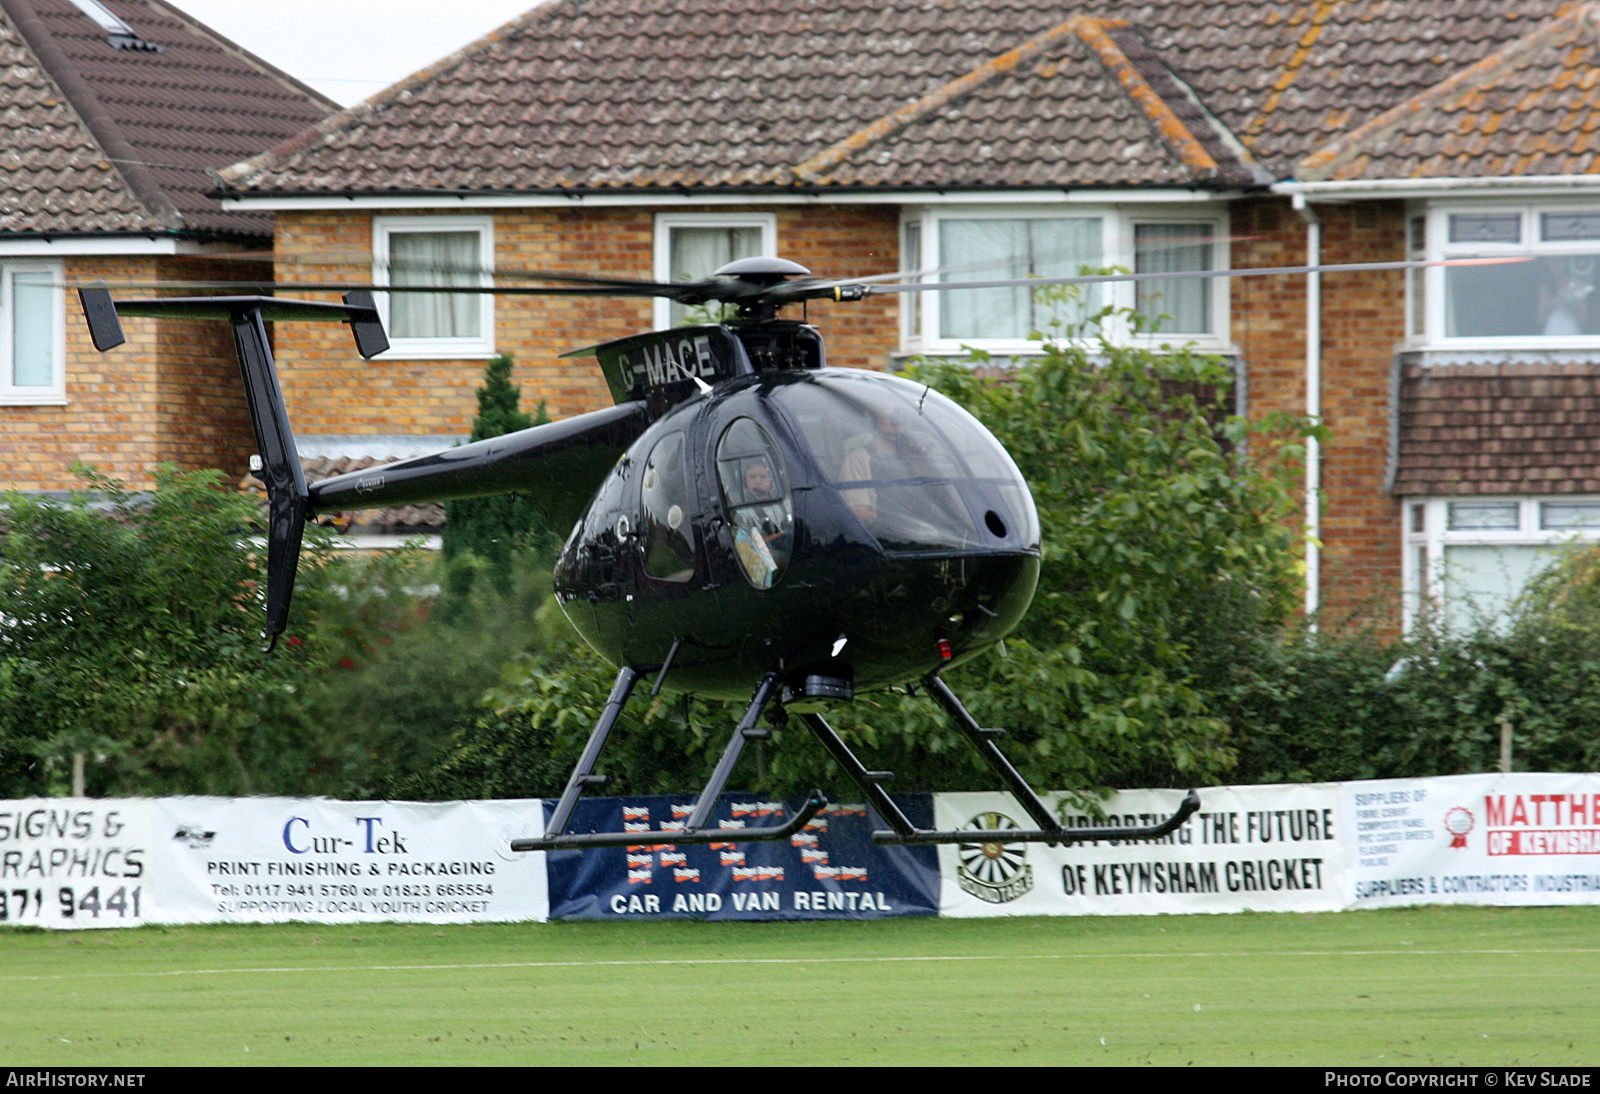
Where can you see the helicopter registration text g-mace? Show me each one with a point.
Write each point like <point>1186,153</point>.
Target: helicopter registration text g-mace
<point>743,517</point>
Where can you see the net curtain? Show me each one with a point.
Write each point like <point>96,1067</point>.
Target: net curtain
<point>433,258</point>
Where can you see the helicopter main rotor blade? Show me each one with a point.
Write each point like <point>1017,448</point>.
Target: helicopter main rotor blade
<point>1182,275</point>
<point>687,292</point>
<point>739,291</point>
<point>264,287</point>
<point>343,260</point>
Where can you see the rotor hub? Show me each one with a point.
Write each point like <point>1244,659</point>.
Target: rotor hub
<point>762,270</point>
<point>755,278</point>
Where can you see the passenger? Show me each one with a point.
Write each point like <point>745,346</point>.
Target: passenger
<point>761,526</point>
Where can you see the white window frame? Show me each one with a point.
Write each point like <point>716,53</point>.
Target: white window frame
<point>1422,566</point>
<point>12,394</point>
<point>1117,222</point>
<point>665,222</point>
<point>478,345</point>
<point>1439,248</point>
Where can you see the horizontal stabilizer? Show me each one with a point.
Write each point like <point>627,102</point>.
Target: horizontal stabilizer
<point>368,329</point>
<point>358,310</point>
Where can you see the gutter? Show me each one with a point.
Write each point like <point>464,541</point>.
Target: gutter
<point>283,201</point>
<point>1356,189</point>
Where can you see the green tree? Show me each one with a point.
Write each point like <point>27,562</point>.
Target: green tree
<point>491,529</point>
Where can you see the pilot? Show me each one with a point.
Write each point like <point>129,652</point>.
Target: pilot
<point>885,453</point>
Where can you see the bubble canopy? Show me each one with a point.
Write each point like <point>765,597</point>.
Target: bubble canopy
<point>919,472</point>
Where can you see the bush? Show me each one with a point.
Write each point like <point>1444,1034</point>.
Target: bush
<point>400,676</point>
<point>132,636</point>
<point>531,732</point>
<point>1347,704</point>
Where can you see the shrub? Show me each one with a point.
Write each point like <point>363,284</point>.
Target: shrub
<point>1347,704</point>
<point>131,635</point>
<point>398,677</point>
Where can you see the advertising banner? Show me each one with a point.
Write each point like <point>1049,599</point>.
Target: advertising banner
<point>1465,839</point>
<point>255,860</point>
<point>829,870</point>
<point>75,862</point>
<point>1475,839</point>
<point>1259,848</point>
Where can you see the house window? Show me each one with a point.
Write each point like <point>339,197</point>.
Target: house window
<point>1177,306</point>
<point>911,264</point>
<point>1540,294</point>
<point>988,243</point>
<point>119,34</point>
<point>32,326</point>
<point>1416,279</point>
<point>438,252</point>
<point>692,246</point>
<point>1469,559</point>
<point>993,248</point>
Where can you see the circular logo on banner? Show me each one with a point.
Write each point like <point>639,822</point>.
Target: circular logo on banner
<point>1458,822</point>
<point>994,871</point>
<point>514,829</point>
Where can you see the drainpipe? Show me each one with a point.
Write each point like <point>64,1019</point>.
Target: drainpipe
<point>1313,406</point>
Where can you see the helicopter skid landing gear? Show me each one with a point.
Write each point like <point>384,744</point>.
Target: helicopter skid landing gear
<point>1050,830</point>
<point>900,831</point>
<point>693,831</point>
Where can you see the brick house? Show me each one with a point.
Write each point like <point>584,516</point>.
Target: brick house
<point>642,138</point>
<point>114,114</point>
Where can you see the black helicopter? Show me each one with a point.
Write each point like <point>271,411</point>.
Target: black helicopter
<point>743,515</point>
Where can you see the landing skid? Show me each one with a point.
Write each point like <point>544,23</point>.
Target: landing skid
<point>693,830</point>
<point>900,831</point>
<point>1050,830</point>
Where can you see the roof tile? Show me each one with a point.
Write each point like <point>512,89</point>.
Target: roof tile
<point>1498,429</point>
<point>395,519</point>
<point>642,94</point>
<point>199,103</point>
<point>1518,110</point>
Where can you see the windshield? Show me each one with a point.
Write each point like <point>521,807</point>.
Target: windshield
<point>900,453</point>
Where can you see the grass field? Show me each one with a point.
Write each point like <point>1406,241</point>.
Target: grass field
<point>1403,987</point>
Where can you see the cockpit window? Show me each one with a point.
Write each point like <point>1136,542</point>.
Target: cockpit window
<point>986,459</point>
<point>664,493</point>
<point>897,450</point>
<point>756,492</point>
